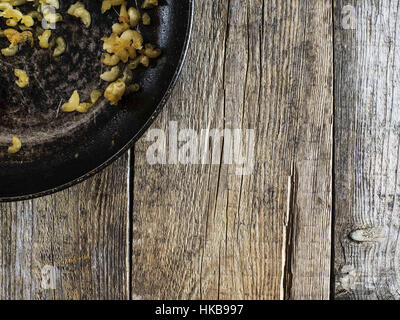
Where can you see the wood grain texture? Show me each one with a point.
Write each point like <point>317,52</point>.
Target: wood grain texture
<point>203,232</point>
<point>80,231</point>
<point>367,139</point>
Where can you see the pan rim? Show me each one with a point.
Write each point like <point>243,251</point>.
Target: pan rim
<point>135,138</point>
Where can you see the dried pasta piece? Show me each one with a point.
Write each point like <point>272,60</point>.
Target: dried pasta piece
<point>16,145</point>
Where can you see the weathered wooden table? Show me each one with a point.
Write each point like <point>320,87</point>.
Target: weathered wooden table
<point>318,218</point>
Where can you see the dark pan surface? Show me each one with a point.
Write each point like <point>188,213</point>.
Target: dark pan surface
<point>62,149</point>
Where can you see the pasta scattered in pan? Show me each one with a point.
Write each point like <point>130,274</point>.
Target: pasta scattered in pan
<point>30,23</point>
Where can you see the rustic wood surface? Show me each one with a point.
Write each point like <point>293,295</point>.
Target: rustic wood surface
<point>367,95</point>
<point>203,232</point>
<point>321,98</point>
<point>81,231</point>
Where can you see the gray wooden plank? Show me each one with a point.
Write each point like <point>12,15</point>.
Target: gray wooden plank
<point>203,232</point>
<point>367,68</point>
<point>81,233</point>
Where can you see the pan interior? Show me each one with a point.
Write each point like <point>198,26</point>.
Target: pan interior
<point>60,149</point>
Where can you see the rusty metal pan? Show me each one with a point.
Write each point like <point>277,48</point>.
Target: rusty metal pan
<point>59,149</point>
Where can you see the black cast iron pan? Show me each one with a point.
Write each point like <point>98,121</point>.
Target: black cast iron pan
<point>62,149</point>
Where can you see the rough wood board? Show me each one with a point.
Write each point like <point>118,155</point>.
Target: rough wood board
<point>80,231</point>
<point>367,67</point>
<point>202,232</point>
